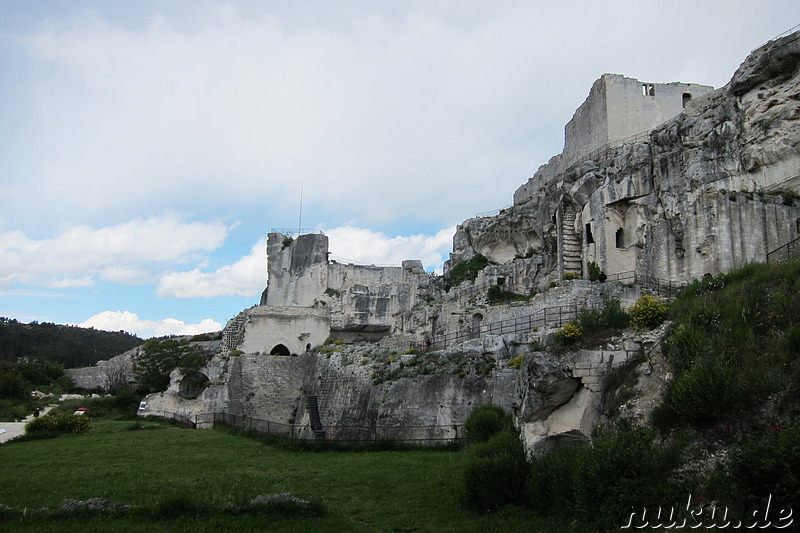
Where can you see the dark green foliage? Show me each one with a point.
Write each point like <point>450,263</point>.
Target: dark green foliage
<point>123,404</point>
<point>610,317</point>
<point>767,464</point>
<point>485,421</point>
<point>496,473</point>
<point>63,423</point>
<point>17,380</point>
<point>735,342</point>
<point>594,271</point>
<point>69,346</point>
<point>160,357</point>
<point>466,270</point>
<point>621,467</point>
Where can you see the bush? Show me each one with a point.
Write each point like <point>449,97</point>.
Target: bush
<point>496,473</point>
<point>570,275</point>
<point>611,316</point>
<point>622,467</point>
<point>768,464</point>
<point>466,270</point>
<point>569,334</point>
<point>594,271</point>
<point>63,423</point>
<point>648,312</point>
<point>485,421</point>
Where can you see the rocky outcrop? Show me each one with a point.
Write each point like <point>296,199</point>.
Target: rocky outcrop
<point>708,190</point>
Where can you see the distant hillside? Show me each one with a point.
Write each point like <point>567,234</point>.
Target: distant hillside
<point>71,346</point>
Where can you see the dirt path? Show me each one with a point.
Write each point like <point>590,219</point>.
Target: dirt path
<point>15,429</point>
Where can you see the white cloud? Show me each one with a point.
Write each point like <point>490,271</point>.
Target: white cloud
<point>246,277</point>
<point>119,253</point>
<point>363,245</point>
<point>130,322</point>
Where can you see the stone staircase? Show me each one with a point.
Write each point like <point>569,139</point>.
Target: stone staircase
<point>313,412</point>
<point>571,243</point>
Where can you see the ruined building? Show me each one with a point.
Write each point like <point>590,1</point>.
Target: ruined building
<point>664,182</point>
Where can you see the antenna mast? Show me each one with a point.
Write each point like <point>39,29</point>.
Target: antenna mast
<point>300,222</point>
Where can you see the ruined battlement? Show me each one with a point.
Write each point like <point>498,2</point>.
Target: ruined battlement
<point>619,107</point>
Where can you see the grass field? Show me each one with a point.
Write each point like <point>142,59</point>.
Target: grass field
<point>184,480</point>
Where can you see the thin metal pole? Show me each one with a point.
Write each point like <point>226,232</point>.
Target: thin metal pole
<point>300,222</point>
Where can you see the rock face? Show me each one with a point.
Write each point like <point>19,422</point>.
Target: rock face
<point>662,182</point>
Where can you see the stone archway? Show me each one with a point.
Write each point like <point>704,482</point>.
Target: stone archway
<point>280,349</point>
<point>192,384</point>
<point>475,330</point>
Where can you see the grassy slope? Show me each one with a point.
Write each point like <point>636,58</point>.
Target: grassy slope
<point>377,491</point>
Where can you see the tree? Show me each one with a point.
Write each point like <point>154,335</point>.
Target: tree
<point>159,357</point>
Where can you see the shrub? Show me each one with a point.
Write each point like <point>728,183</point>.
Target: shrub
<point>570,275</point>
<point>496,473</point>
<point>569,334</point>
<point>611,316</point>
<point>63,423</point>
<point>594,271</point>
<point>485,421</point>
<point>466,270</point>
<point>768,464</point>
<point>648,312</point>
<point>516,362</point>
<point>622,467</point>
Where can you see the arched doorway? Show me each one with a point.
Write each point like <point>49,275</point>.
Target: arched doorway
<point>280,349</point>
<point>477,318</point>
<point>192,384</point>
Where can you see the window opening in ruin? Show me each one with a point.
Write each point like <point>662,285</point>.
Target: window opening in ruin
<point>797,225</point>
<point>687,97</point>
<point>501,282</point>
<point>648,89</point>
<point>279,349</point>
<point>620,238</point>
<point>589,236</point>
<point>308,347</point>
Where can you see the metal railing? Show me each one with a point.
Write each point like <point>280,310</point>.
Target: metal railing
<point>290,232</point>
<point>663,287</point>
<point>553,316</point>
<point>594,154</point>
<point>493,213</point>
<point>781,253</point>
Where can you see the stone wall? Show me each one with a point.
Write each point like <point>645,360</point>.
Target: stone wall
<point>284,330</point>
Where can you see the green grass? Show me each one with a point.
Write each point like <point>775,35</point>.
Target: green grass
<point>163,470</point>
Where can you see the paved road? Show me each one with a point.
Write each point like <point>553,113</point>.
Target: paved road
<point>15,429</point>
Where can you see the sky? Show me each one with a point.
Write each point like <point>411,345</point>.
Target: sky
<point>148,147</point>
